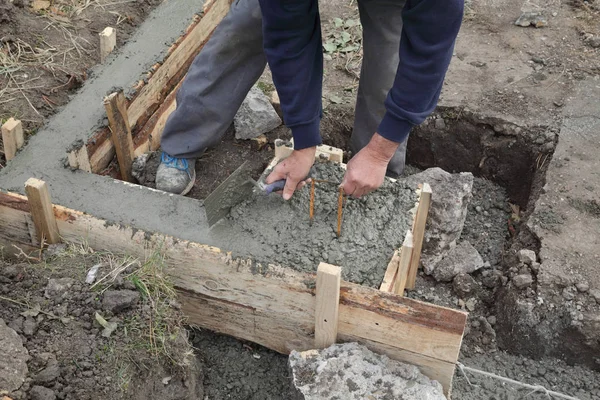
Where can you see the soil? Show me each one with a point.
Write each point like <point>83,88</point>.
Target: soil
<point>46,55</point>
<point>55,313</point>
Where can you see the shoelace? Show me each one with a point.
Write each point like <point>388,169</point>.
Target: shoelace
<point>180,164</point>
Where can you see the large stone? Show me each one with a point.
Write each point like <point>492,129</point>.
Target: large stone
<point>462,259</point>
<point>48,374</point>
<point>527,256</point>
<point>116,301</point>
<point>350,371</point>
<point>13,359</point>
<point>452,194</point>
<point>255,116</point>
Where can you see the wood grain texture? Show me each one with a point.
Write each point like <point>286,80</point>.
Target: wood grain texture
<point>419,225</point>
<point>116,111</point>
<point>79,159</point>
<point>42,211</point>
<point>327,305</point>
<point>272,305</point>
<point>108,42</point>
<point>13,137</point>
<point>406,253</point>
<point>387,285</point>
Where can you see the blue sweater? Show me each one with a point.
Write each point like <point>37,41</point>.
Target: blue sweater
<point>293,47</point>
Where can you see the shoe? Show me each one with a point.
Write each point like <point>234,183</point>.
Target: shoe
<point>175,175</point>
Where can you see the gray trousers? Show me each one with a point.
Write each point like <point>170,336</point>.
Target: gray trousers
<point>233,60</point>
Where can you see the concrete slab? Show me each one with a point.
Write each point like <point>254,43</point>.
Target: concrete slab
<point>567,215</point>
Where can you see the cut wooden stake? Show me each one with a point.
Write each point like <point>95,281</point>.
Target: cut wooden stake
<point>108,42</point>
<point>116,110</point>
<point>404,264</point>
<point>327,305</point>
<point>420,223</point>
<point>12,137</point>
<point>42,211</point>
<point>78,159</point>
<point>387,285</point>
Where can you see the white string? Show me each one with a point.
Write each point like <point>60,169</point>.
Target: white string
<point>534,388</point>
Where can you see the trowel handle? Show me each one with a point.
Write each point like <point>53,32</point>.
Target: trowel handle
<point>275,186</point>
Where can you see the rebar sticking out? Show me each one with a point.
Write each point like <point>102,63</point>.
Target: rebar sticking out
<point>340,212</point>
<point>312,201</point>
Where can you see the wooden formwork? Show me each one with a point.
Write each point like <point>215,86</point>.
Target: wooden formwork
<point>271,305</point>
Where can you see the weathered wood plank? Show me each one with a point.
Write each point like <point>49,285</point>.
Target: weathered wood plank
<point>419,225</point>
<point>327,305</point>
<point>403,264</point>
<point>116,110</point>
<point>108,42</point>
<point>42,212</point>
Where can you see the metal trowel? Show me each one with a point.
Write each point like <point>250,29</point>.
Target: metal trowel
<point>237,187</point>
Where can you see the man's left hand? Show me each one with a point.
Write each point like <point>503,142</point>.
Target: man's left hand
<point>365,172</point>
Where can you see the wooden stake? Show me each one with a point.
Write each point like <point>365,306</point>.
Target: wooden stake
<point>116,110</point>
<point>312,201</point>
<point>404,264</point>
<point>42,211</point>
<point>327,305</point>
<point>12,137</point>
<point>419,234</point>
<point>387,285</point>
<point>78,159</point>
<point>108,42</point>
<point>340,211</point>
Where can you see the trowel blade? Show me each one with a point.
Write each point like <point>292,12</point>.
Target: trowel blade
<point>238,186</point>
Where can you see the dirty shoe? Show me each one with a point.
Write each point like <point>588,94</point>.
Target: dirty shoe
<point>175,175</point>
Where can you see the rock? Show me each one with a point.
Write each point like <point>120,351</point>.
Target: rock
<point>350,371</point>
<point>255,116</point>
<point>522,281</point>
<point>535,19</point>
<point>14,356</point>
<point>463,259</point>
<point>48,374</point>
<point>41,393</point>
<point>527,256</point>
<point>593,41</point>
<point>57,287</point>
<point>470,304</point>
<point>582,287</point>
<point>452,194</point>
<point>568,294</point>
<point>595,293</point>
<point>535,266</point>
<point>138,167</point>
<point>440,123</point>
<point>492,320</point>
<point>463,285</point>
<point>29,326</point>
<point>116,301</point>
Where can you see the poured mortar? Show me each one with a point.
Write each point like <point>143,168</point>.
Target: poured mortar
<point>373,226</point>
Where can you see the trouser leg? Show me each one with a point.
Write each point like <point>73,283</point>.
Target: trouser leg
<point>217,82</point>
<point>382,28</point>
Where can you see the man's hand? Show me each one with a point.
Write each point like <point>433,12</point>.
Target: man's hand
<point>294,169</point>
<point>366,170</point>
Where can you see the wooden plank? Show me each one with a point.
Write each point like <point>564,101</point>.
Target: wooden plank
<point>387,285</point>
<point>108,42</point>
<point>404,264</point>
<point>275,306</point>
<point>327,305</point>
<point>283,149</point>
<point>13,138</point>
<point>116,110</point>
<point>419,224</point>
<point>42,212</point>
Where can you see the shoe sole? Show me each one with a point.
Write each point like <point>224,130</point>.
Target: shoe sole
<point>190,185</point>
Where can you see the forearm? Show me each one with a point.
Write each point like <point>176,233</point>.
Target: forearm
<point>429,33</point>
<point>292,44</point>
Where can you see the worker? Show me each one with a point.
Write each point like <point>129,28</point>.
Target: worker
<point>407,47</point>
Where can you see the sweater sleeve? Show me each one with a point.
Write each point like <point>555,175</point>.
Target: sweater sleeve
<point>430,28</point>
<point>293,48</point>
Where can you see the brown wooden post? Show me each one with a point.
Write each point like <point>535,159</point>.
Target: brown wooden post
<point>116,110</point>
<point>42,211</point>
<point>327,305</point>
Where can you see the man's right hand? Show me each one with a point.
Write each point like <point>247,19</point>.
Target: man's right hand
<point>294,169</point>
